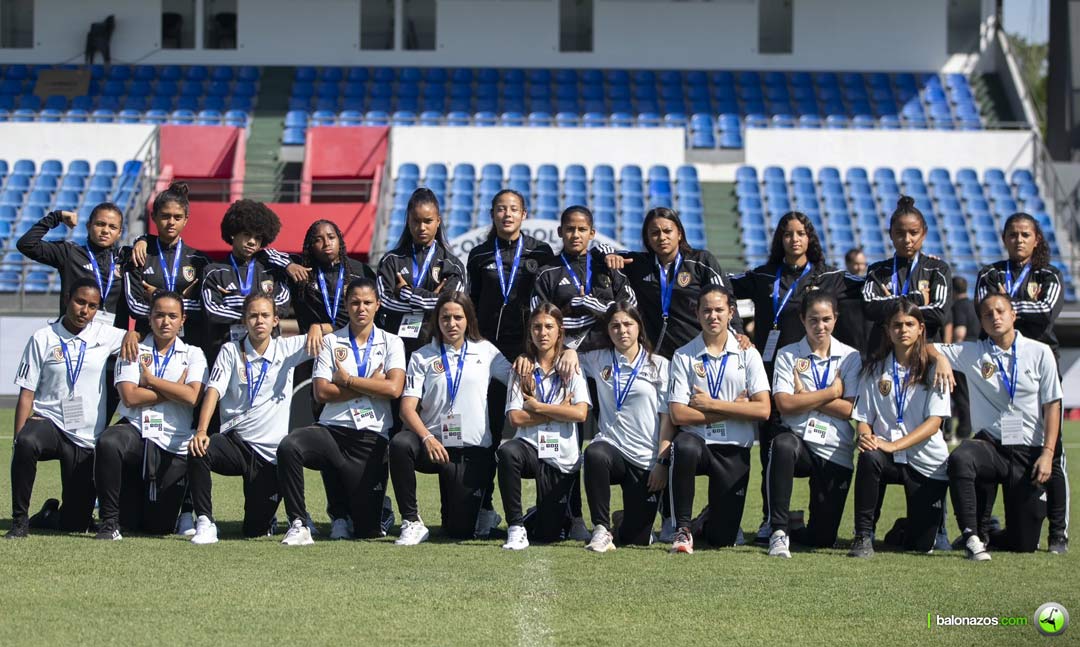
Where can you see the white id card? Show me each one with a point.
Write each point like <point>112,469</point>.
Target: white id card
<point>770,346</point>
<point>1012,428</point>
<point>450,428</point>
<point>815,431</point>
<point>72,411</point>
<point>717,431</point>
<point>105,318</point>
<point>899,457</point>
<point>363,414</point>
<point>153,425</point>
<point>547,443</point>
<point>237,332</point>
<point>409,328</point>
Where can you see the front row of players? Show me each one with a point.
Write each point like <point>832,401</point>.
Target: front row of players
<point>660,425</point>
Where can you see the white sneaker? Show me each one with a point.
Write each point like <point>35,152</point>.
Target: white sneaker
<point>205,531</point>
<point>764,531</point>
<point>976,551</point>
<point>486,521</point>
<point>339,529</point>
<point>516,538</point>
<point>667,530</point>
<point>311,526</point>
<point>578,530</point>
<point>185,524</point>
<point>779,545</point>
<point>601,540</point>
<point>412,533</point>
<point>298,535</point>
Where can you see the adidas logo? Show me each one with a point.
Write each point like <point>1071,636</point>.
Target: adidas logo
<point>564,281</point>
<point>844,485</point>
<point>1043,497</point>
<point>378,487</point>
<point>148,271</point>
<point>741,492</point>
<point>274,498</point>
<point>478,494</point>
<point>937,504</point>
<point>231,286</point>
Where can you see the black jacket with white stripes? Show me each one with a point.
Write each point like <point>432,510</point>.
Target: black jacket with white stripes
<point>192,266</point>
<point>931,274</point>
<point>223,302</point>
<point>445,269</point>
<point>1037,301</point>
<point>582,314</point>
<point>307,296</point>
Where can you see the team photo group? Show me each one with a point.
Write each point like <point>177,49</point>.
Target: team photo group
<point>854,378</point>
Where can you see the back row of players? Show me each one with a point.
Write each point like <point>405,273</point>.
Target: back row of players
<point>663,291</point>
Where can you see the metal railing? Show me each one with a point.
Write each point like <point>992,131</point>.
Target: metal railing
<point>278,190</point>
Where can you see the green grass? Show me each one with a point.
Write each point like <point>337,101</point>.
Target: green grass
<point>59,589</point>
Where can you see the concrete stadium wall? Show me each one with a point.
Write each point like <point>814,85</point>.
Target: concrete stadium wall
<point>827,35</point>
<point>67,142</point>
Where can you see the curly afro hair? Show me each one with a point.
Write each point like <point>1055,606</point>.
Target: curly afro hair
<point>252,217</point>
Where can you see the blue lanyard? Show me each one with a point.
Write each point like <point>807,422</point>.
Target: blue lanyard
<point>73,371</point>
<point>778,305</point>
<point>452,384</point>
<point>159,371</point>
<point>245,284</point>
<point>573,276</point>
<point>418,273</point>
<point>715,381</point>
<point>896,277</point>
<point>505,285</point>
<point>616,377</point>
<point>361,366</point>
<point>667,287</point>
<point>103,288</point>
<point>1009,381</point>
<point>539,378</point>
<point>332,313</point>
<point>821,381</point>
<point>170,279</point>
<point>900,393</point>
<point>253,392</point>
<point>1011,287</point>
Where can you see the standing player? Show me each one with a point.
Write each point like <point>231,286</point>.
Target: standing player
<point>717,392</point>
<point>358,372</point>
<point>900,442</point>
<point>633,445</point>
<point>546,411</point>
<point>1016,406</point>
<point>252,381</point>
<point>61,410</point>
<point>1035,287</point>
<point>445,432</point>
<point>814,384</point>
<point>140,465</point>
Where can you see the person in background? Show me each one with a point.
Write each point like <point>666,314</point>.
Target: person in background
<point>965,327</point>
<point>855,261</point>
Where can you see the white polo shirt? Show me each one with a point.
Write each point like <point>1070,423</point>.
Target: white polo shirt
<point>568,457</point>
<point>426,381</point>
<point>387,350</point>
<point>876,406</point>
<point>838,443</point>
<point>176,428</point>
<point>635,430</point>
<point>744,372</point>
<point>1036,377</point>
<point>263,424</point>
<point>44,371</point>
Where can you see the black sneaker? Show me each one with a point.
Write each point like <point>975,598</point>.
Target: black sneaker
<point>108,531</point>
<point>1059,545</point>
<point>20,529</point>
<point>47,517</point>
<point>862,546</point>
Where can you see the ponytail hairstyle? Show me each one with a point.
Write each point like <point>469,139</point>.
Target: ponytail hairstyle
<point>420,196</point>
<point>495,201</point>
<point>102,207</point>
<point>919,366</point>
<point>178,193</point>
<point>814,254</point>
<point>472,328</point>
<point>667,214</point>
<point>814,297</point>
<point>259,295</point>
<point>168,294</point>
<point>905,206</point>
<point>1040,256</point>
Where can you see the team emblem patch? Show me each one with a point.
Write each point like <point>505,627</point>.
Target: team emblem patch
<point>802,365</point>
<point>58,353</point>
<point>530,265</point>
<point>241,373</point>
<point>924,285</point>
<point>145,359</point>
<point>189,273</point>
<point>341,353</point>
<point>683,279</point>
<point>267,286</point>
<point>884,387</point>
<point>118,272</point>
<point>603,281</point>
<point>437,366</point>
<point>987,369</point>
<point>699,369</point>
<point>435,271</point>
<point>605,373</point>
<point>1033,290</point>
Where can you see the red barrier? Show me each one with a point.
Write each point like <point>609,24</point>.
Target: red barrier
<point>200,151</point>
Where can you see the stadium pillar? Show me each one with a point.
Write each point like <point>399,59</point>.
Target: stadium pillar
<point>1062,91</point>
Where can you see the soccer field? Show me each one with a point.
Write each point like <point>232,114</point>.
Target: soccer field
<point>62,590</point>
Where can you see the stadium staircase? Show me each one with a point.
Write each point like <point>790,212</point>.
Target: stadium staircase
<point>990,95</point>
<point>721,223</point>
<point>265,170</point>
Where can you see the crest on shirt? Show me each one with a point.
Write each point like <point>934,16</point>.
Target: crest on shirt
<point>530,265</point>
<point>802,365</point>
<point>437,366</point>
<point>884,387</point>
<point>924,285</point>
<point>987,369</point>
<point>699,369</point>
<point>1033,290</point>
<point>241,373</point>
<point>267,286</point>
<point>145,359</point>
<point>435,271</point>
<point>341,353</point>
<point>683,279</point>
<point>605,373</point>
<point>189,273</point>
<point>58,353</point>
<point>118,271</point>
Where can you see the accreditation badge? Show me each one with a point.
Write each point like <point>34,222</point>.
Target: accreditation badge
<point>548,443</point>
<point>450,430</point>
